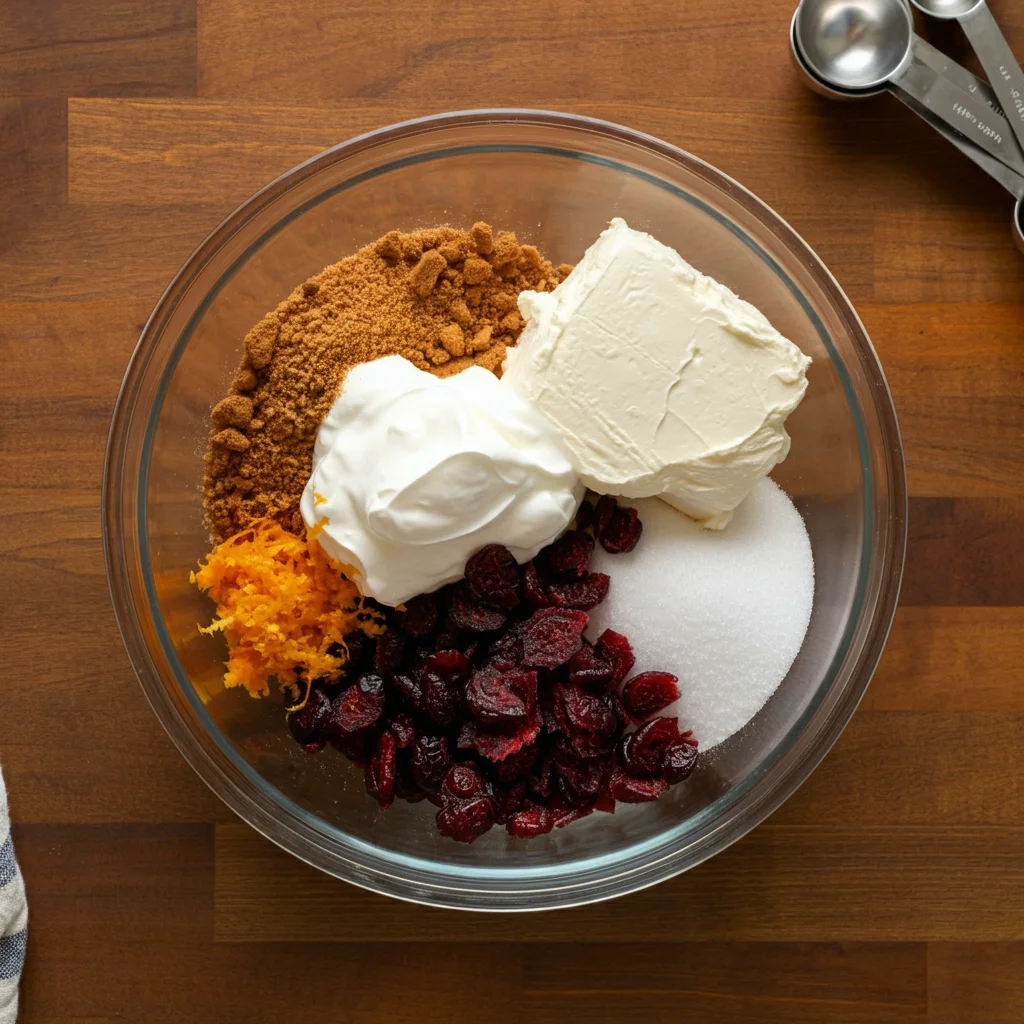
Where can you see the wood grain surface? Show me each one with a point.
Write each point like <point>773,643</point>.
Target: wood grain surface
<point>890,888</point>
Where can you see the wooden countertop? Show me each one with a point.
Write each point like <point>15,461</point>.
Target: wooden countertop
<point>889,889</point>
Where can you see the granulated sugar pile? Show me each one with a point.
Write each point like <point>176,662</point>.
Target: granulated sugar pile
<point>725,611</point>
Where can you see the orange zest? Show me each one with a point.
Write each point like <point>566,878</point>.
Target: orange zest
<point>284,607</point>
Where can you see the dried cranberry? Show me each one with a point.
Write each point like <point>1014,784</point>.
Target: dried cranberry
<point>648,693</point>
<point>441,678</point>
<point>595,745</point>
<point>535,590</point>
<point>582,711</point>
<point>530,822</point>
<point>506,652</point>
<point>620,710</point>
<point>490,701</point>
<point>547,710</point>
<point>634,791</point>
<point>623,531</point>
<point>617,651</point>
<point>405,788</point>
<point>492,576</point>
<point>586,593</point>
<point>584,516</point>
<point>501,697</point>
<point>409,689</point>
<point>579,781</point>
<point>380,772</point>
<point>467,612</point>
<point>313,746</point>
<point>446,640</point>
<point>420,651</point>
<point>543,779</point>
<point>403,730</point>
<point>429,762</point>
<point>387,659</point>
<point>355,746</point>
<point>587,668</point>
<point>451,665</point>
<point>566,816</point>
<point>440,698</point>
<point>305,724</point>
<point>679,760</point>
<point>468,820</point>
<point>462,781</point>
<point>570,554</point>
<point>420,616</point>
<point>551,636</point>
<point>516,766</point>
<point>524,683</point>
<point>360,651</point>
<point>642,753</point>
<point>499,742</point>
<point>606,506</point>
<point>510,800</point>
<point>359,707</point>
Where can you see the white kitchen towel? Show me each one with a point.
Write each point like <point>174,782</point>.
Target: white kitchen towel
<point>13,918</point>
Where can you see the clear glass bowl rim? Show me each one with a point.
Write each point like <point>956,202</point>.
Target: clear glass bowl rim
<point>784,769</point>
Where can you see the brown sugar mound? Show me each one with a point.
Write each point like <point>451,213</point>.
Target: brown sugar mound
<point>443,298</point>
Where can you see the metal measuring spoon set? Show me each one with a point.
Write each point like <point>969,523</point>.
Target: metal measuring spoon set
<point>854,49</point>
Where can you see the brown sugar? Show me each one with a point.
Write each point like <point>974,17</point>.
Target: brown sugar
<point>483,240</point>
<point>233,411</point>
<point>444,299</point>
<point>428,269</point>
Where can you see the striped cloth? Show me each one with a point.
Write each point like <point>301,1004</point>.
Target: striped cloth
<point>13,918</point>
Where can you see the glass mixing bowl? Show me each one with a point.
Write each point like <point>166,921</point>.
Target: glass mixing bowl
<point>556,180</point>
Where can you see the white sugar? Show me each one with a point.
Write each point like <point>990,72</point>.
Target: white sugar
<point>724,611</point>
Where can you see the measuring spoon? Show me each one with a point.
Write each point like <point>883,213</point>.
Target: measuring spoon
<point>1009,179</point>
<point>866,45</point>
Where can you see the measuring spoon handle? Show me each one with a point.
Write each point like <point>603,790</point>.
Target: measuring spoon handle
<point>1004,73</point>
<point>956,73</point>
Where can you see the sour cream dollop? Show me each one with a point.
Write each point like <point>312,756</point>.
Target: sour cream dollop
<point>413,474</point>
